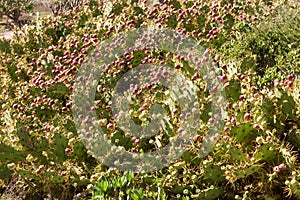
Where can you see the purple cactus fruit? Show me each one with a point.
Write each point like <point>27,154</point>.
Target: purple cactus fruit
<point>198,138</point>
<point>282,167</point>
<point>256,126</point>
<point>68,150</point>
<point>217,58</point>
<point>247,116</point>
<point>276,82</point>
<point>276,169</point>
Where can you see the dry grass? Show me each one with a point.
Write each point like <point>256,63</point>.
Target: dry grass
<point>15,190</point>
<point>42,7</point>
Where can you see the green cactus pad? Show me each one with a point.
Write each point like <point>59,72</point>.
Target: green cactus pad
<point>138,10</point>
<point>233,92</point>
<point>5,173</point>
<point>268,110</point>
<point>220,41</point>
<point>117,9</point>
<point>11,69</point>
<point>28,174</point>
<point>287,105</point>
<point>228,21</point>
<point>59,144</point>
<point>178,189</point>
<point>214,174</point>
<point>40,143</point>
<point>242,173</point>
<point>172,21</point>
<point>175,3</point>
<point>58,91</point>
<point>46,113</point>
<point>4,46</point>
<point>204,116</point>
<point>70,126</point>
<point>79,150</point>
<point>18,49</point>
<point>266,152</point>
<point>237,155</point>
<point>9,154</point>
<point>123,141</point>
<point>211,193</point>
<point>245,132</point>
<point>138,56</point>
<point>33,144</point>
<point>54,177</point>
<point>24,138</point>
<point>189,156</point>
<point>247,64</point>
<point>201,21</point>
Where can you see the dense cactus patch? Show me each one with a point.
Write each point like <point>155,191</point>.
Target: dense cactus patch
<point>255,45</point>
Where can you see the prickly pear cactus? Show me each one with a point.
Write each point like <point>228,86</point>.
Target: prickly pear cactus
<point>4,46</point>
<point>287,106</point>
<point>244,132</point>
<point>59,144</point>
<point>233,92</point>
<point>244,172</point>
<point>214,175</point>
<point>266,152</point>
<point>237,155</point>
<point>210,193</point>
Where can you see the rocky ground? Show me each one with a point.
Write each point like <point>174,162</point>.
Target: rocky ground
<point>7,35</point>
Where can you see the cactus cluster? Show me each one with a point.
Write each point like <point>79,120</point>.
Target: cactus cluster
<point>255,155</point>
